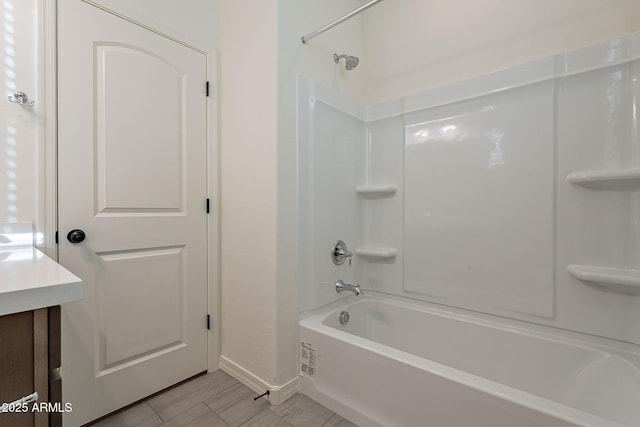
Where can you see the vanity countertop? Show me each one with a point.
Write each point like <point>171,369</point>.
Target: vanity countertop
<point>30,280</point>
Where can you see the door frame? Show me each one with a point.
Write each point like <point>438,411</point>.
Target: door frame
<point>47,222</point>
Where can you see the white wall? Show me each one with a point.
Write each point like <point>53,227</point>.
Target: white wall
<point>249,185</point>
<point>261,54</point>
<point>416,44</point>
<point>20,127</point>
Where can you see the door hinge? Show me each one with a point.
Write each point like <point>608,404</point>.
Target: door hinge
<point>56,237</point>
<point>208,321</point>
<point>207,88</point>
<point>208,203</point>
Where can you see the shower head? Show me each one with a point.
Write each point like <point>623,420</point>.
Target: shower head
<point>350,62</point>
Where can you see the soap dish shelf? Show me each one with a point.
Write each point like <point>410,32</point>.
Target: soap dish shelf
<point>377,191</point>
<point>623,280</point>
<point>609,180</point>
<point>377,252</point>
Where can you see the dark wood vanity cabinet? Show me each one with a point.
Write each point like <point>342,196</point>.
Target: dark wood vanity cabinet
<point>29,361</point>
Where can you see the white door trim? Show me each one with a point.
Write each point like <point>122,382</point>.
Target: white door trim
<point>47,206</point>
<point>213,224</point>
<point>48,168</point>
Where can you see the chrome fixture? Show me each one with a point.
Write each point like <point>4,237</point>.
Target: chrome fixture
<point>341,286</point>
<point>350,62</point>
<point>21,98</point>
<point>343,317</point>
<point>339,253</point>
<point>338,21</point>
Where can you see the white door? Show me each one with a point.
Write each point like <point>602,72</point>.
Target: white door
<point>132,177</point>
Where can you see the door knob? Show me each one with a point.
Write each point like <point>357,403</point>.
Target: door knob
<point>76,236</point>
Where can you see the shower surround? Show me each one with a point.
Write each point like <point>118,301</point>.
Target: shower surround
<point>513,196</point>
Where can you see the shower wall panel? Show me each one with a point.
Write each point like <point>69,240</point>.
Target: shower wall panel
<point>478,206</point>
<point>383,166</point>
<point>598,131</point>
<point>516,194</point>
<point>329,168</point>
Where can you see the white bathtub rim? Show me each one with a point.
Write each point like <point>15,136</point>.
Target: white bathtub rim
<point>626,350</point>
<point>518,397</point>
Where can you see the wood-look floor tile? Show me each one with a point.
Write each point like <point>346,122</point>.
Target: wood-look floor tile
<point>236,405</point>
<point>198,416</point>
<point>140,415</point>
<point>229,397</point>
<point>337,421</point>
<point>218,400</point>
<point>301,411</point>
<point>266,418</point>
<point>187,395</point>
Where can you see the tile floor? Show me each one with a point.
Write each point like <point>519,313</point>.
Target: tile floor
<point>218,400</point>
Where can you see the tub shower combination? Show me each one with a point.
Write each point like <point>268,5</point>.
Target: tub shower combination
<point>493,234</point>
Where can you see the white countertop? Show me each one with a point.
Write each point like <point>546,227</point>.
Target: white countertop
<point>29,280</point>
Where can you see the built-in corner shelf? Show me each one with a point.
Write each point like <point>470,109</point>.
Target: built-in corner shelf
<point>619,279</point>
<point>377,252</point>
<point>373,191</point>
<point>611,180</point>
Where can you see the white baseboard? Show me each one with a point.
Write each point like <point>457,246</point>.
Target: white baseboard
<point>285,391</point>
<point>277,393</point>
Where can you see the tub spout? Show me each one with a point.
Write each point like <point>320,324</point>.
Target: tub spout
<point>341,286</point>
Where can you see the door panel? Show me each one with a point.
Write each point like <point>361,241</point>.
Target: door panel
<point>164,324</point>
<point>124,147</point>
<point>132,175</point>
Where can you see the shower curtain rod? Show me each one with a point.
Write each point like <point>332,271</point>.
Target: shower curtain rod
<point>338,21</point>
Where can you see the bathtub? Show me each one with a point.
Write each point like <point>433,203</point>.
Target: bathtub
<point>402,363</point>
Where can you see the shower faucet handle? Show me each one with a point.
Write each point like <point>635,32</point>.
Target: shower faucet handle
<point>339,253</point>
